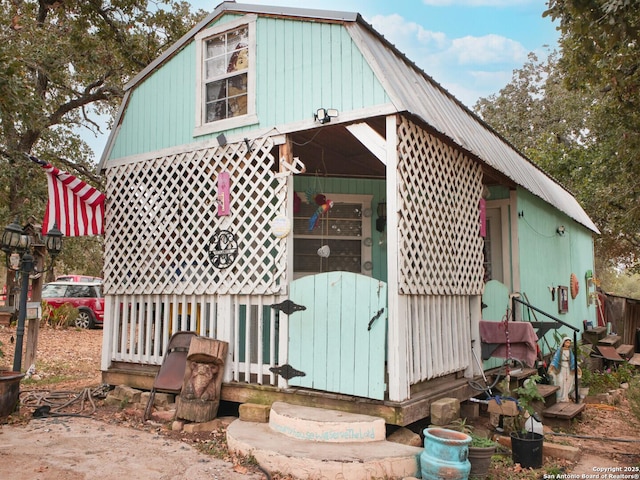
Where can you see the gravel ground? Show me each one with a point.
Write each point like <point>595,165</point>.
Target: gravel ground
<point>115,443</point>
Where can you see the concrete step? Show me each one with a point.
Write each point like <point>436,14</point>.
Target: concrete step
<point>307,442</point>
<point>316,424</point>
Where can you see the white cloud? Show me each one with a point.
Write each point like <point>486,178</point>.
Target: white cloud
<point>488,49</point>
<point>401,32</point>
<point>419,44</point>
<point>468,67</point>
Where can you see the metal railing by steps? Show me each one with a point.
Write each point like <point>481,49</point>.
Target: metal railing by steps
<point>544,327</point>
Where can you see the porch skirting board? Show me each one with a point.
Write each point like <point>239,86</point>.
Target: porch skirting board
<point>403,413</point>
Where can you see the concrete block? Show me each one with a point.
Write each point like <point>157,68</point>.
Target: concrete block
<point>160,400</point>
<point>121,394</point>
<point>177,425</point>
<point>163,416</point>
<point>253,412</point>
<point>469,410</point>
<point>444,411</point>
<point>405,437</point>
<point>210,426</point>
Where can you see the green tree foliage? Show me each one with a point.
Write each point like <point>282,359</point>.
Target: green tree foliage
<point>549,123</point>
<point>577,115</point>
<point>63,65</point>
<point>600,58</point>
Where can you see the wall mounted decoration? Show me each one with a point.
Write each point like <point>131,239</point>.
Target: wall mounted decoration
<point>223,249</point>
<point>224,196</point>
<point>280,226</point>
<point>575,286</point>
<point>563,299</point>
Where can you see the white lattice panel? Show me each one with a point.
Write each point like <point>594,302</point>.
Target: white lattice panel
<point>439,189</point>
<point>162,214</point>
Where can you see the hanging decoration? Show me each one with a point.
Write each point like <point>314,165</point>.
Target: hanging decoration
<point>324,205</point>
<point>224,197</point>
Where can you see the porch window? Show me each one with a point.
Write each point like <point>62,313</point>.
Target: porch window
<point>345,229</point>
<point>226,72</point>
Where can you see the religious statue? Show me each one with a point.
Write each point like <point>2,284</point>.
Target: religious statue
<point>562,370</point>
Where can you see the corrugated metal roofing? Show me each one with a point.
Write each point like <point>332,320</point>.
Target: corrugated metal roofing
<point>413,91</point>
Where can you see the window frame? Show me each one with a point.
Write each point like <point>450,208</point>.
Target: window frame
<point>201,126</point>
<point>366,229</point>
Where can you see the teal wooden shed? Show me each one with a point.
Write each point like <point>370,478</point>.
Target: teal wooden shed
<point>287,181</point>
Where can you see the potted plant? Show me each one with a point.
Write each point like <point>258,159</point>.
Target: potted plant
<point>481,450</point>
<point>526,444</point>
<point>9,389</point>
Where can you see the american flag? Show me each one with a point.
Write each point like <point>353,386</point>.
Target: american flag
<point>75,206</point>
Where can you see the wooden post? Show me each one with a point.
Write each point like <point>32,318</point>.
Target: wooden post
<point>200,396</point>
<point>33,324</point>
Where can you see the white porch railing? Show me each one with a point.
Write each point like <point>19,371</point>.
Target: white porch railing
<point>137,329</point>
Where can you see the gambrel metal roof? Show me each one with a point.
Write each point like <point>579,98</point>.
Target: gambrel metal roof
<point>415,92</point>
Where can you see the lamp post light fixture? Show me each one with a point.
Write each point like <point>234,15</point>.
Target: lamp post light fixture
<point>16,244</point>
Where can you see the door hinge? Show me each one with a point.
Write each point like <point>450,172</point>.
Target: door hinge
<point>288,307</point>
<point>287,372</point>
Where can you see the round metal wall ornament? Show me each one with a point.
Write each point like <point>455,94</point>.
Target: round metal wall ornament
<point>223,249</point>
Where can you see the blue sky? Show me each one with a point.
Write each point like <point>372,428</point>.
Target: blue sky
<point>470,47</point>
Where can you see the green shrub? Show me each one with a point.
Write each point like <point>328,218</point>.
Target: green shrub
<point>633,396</point>
<point>63,316</point>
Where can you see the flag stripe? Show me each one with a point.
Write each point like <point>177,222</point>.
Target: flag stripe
<point>75,206</point>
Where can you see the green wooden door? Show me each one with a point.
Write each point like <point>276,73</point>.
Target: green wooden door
<point>338,341</point>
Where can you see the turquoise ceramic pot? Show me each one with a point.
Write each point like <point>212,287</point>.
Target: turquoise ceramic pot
<point>445,455</point>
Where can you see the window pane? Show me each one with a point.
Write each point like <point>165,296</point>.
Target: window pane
<point>215,67</point>
<point>344,256</point>
<point>238,38</point>
<point>238,61</point>
<point>238,106</point>
<point>53,291</point>
<point>216,90</point>
<point>216,47</point>
<point>216,111</point>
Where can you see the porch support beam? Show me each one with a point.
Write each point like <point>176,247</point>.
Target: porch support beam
<point>371,139</point>
<point>398,350</point>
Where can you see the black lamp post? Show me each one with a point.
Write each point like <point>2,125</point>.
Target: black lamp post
<point>16,245</point>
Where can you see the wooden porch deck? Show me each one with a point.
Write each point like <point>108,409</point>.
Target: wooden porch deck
<point>395,413</point>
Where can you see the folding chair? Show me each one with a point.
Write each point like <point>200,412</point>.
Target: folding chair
<point>171,374</point>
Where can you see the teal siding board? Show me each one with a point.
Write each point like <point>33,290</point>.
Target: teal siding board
<point>300,67</point>
<point>548,259</point>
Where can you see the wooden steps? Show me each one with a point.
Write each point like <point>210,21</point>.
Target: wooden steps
<point>564,410</point>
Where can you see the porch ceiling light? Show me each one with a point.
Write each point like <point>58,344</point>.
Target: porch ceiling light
<point>324,115</point>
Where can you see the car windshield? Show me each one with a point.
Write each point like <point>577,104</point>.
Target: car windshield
<point>53,291</point>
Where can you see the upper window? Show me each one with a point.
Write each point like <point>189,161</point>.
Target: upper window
<point>226,65</point>
<point>226,96</point>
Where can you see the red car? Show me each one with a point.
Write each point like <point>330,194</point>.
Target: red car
<point>78,278</point>
<point>85,296</point>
